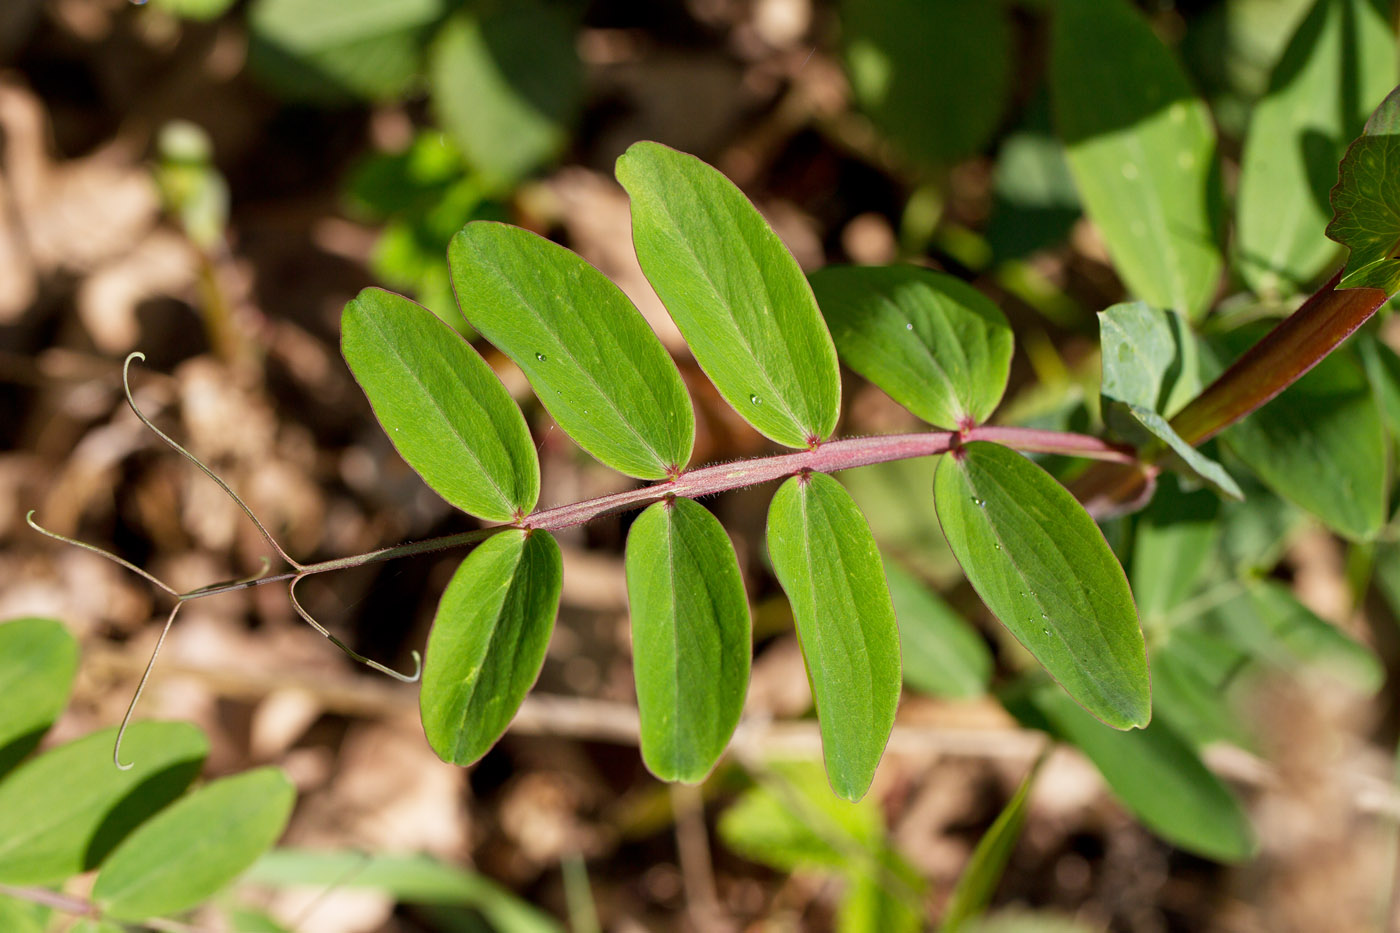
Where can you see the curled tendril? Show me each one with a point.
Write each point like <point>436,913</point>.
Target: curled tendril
<point>29,519</point>
<point>375,665</point>
<point>140,688</point>
<point>131,401</point>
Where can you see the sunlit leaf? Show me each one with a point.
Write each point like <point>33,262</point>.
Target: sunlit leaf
<point>488,641</point>
<point>195,846</point>
<point>690,637</point>
<point>38,659</point>
<point>1044,569</point>
<point>736,293</point>
<point>935,344</point>
<point>1142,150</point>
<point>591,358</point>
<point>827,562</point>
<point>62,812</point>
<point>1366,201</point>
<point>442,407</point>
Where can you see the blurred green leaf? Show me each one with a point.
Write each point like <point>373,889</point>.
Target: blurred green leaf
<point>1366,201</point>
<point>1034,200</point>
<point>592,359</point>
<point>736,293</point>
<point>872,903</point>
<point>332,51</point>
<point>690,637</point>
<point>19,916</point>
<point>38,659</point>
<point>1338,66</point>
<point>942,653</point>
<point>1043,568</point>
<point>200,10</point>
<point>1319,443</point>
<point>827,562</point>
<point>936,345</point>
<point>1158,776</point>
<point>507,85</point>
<point>1142,150</point>
<point>195,846</point>
<point>488,641</point>
<point>441,405</point>
<point>1173,539</point>
<point>1383,369</point>
<point>414,879</point>
<point>934,77</point>
<point>1025,921</point>
<point>980,877</point>
<point>1192,673</point>
<point>61,813</point>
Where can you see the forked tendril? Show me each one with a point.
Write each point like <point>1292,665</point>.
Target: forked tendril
<point>29,519</point>
<point>131,401</point>
<point>374,665</point>
<point>141,687</point>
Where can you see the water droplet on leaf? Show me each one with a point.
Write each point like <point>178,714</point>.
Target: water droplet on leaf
<point>755,399</point>
<point>541,357</point>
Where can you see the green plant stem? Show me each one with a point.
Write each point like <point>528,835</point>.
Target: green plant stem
<point>830,457</point>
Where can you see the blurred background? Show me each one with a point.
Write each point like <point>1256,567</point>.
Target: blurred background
<point>209,181</point>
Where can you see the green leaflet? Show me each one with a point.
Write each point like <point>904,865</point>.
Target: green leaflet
<point>1142,150</point>
<point>488,641</point>
<point>690,637</point>
<point>591,358</point>
<point>61,813</point>
<point>38,659</point>
<point>826,560</point>
<point>507,85</point>
<point>1320,443</point>
<point>936,345</point>
<point>414,879</point>
<point>195,846</point>
<point>735,292</point>
<point>331,51</point>
<point>1043,568</point>
<point>1150,369</point>
<point>1366,201</point>
<point>1339,64</point>
<point>980,878</point>
<point>442,407</point>
<point>942,654</point>
<point>1157,776</point>
<point>905,57</point>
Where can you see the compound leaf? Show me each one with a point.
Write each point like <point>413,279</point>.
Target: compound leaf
<point>488,641</point>
<point>1339,64</point>
<point>1044,569</point>
<point>935,344</point>
<point>592,359</point>
<point>441,405</point>
<point>690,637</point>
<point>195,846</point>
<point>38,659</point>
<point>826,560</point>
<point>1142,151</point>
<point>1366,201</point>
<point>61,813</point>
<point>735,292</point>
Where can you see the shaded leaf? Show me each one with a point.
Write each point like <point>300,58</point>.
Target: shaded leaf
<point>939,102</point>
<point>690,637</point>
<point>1192,672</point>
<point>195,846</point>
<point>1339,64</point>
<point>887,900</point>
<point>735,292</point>
<point>1044,569</point>
<point>1142,150</point>
<point>980,877</point>
<point>415,879</point>
<point>942,653</point>
<point>936,345</point>
<point>1366,201</point>
<point>507,85</point>
<point>488,641</point>
<point>1173,539</point>
<point>1383,369</point>
<point>38,659</point>
<point>441,405</point>
<point>1319,444</point>
<point>826,560</point>
<point>591,358</point>
<point>1034,201</point>
<point>61,813</point>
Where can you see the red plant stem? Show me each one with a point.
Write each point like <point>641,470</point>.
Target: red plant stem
<point>842,454</point>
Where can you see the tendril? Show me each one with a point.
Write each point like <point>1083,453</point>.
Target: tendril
<point>229,584</point>
<point>131,401</point>
<point>29,519</point>
<point>140,688</point>
<point>375,665</point>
